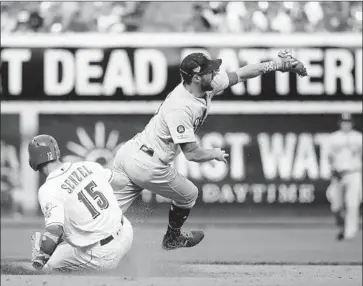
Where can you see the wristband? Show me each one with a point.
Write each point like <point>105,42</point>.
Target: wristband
<point>270,66</point>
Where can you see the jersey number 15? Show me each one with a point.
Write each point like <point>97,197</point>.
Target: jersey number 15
<point>102,202</point>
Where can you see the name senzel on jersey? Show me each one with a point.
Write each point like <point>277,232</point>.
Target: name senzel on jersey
<point>76,177</point>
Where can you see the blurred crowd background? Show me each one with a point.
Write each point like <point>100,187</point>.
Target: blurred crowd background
<point>222,17</point>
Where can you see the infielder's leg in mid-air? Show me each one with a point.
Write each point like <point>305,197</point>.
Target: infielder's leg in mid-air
<point>345,189</point>
<point>144,162</point>
<point>149,173</point>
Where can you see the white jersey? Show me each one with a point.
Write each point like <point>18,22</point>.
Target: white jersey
<point>178,119</point>
<point>345,150</point>
<point>79,197</point>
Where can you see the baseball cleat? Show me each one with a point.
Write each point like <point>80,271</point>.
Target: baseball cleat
<point>189,239</point>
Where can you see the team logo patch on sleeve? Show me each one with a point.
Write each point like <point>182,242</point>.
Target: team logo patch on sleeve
<point>180,129</point>
<point>48,210</point>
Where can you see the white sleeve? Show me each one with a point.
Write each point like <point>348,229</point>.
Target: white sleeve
<point>52,207</point>
<point>360,138</point>
<point>180,126</point>
<point>330,144</point>
<point>220,83</point>
<point>359,141</point>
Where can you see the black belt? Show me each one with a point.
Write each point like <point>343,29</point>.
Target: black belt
<point>150,152</point>
<point>147,150</point>
<point>106,240</point>
<point>109,238</point>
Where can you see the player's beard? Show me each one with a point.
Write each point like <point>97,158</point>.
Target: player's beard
<point>206,85</point>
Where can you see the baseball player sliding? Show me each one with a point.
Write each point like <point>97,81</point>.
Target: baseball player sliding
<point>345,189</point>
<point>84,227</point>
<point>144,162</point>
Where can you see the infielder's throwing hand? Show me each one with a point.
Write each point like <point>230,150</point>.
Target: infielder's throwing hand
<point>144,162</point>
<point>221,155</point>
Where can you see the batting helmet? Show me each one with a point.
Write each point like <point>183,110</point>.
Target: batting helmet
<point>42,149</point>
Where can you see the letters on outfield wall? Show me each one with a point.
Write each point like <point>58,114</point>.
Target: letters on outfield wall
<point>274,158</point>
<point>148,72</point>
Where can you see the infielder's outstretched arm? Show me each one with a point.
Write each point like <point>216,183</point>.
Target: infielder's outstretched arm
<point>284,63</point>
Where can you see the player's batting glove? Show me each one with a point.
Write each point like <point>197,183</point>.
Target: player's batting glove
<point>39,259</point>
<point>289,64</point>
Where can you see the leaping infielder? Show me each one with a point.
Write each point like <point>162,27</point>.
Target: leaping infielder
<point>144,162</point>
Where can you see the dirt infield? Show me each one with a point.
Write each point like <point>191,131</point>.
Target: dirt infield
<point>237,275</point>
<point>212,275</point>
<point>234,255</point>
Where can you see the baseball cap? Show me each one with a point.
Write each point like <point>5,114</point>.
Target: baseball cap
<point>346,117</point>
<point>199,63</point>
